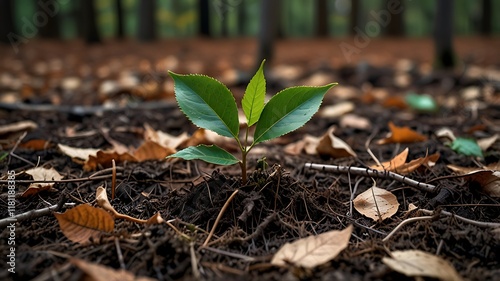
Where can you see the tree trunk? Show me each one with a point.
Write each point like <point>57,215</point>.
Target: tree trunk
<point>443,34</point>
<point>267,30</point>
<point>48,21</point>
<point>354,18</point>
<point>147,22</point>
<point>242,18</point>
<point>204,18</point>
<point>6,20</point>
<point>486,17</point>
<point>88,22</point>
<point>119,19</point>
<point>395,27</point>
<point>322,14</point>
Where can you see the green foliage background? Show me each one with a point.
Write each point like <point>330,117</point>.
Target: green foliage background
<point>179,18</point>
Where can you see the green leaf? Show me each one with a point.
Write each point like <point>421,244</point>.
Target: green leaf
<point>207,103</point>
<point>424,103</point>
<point>208,153</point>
<point>289,110</point>
<point>254,97</point>
<point>466,147</point>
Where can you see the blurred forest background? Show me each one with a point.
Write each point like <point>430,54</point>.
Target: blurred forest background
<point>235,18</point>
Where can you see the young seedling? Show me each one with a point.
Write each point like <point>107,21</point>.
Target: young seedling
<point>210,105</point>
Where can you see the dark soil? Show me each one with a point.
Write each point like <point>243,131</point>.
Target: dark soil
<point>279,204</point>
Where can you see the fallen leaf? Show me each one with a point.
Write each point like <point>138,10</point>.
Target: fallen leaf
<point>97,272</point>
<point>307,144</point>
<point>21,126</point>
<point>375,200</point>
<point>330,145</point>
<point>85,222</point>
<point>467,147</point>
<point>486,143</point>
<point>395,102</point>
<point>202,136</point>
<point>398,165</point>
<point>315,250</point>
<point>402,135</point>
<point>355,121</point>
<point>103,201</point>
<point>151,150</point>
<point>79,154</point>
<point>164,139</point>
<point>35,144</point>
<point>155,219</point>
<point>393,164</point>
<point>337,110</point>
<point>104,159</point>
<point>416,263</point>
<point>41,174</point>
<point>488,180</point>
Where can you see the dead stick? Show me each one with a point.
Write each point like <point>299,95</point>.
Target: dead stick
<point>373,173</point>
<point>31,214</point>
<point>219,217</point>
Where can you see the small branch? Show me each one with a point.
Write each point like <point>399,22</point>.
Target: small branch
<point>473,222</point>
<point>373,173</point>
<point>226,205</point>
<point>403,223</point>
<point>32,214</point>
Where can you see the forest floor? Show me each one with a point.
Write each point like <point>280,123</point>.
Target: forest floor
<point>110,96</point>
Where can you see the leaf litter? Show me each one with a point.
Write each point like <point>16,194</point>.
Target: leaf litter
<point>280,204</point>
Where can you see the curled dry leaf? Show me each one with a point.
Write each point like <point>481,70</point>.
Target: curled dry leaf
<point>307,144</point>
<point>330,145</point>
<point>337,110</point>
<point>103,201</point>
<point>376,203</point>
<point>417,263</point>
<point>164,139</point>
<point>85,222</point>
<point>41,174</point>
<point>401,135</point>
<point>98,272</point>
<point>315,250</point>
<point>486,143</point>
<point>78,155</point>
<point>21,126</point>
<point>398,165</point>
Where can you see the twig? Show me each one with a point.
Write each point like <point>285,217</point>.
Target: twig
<point>473,222</point>
<point>373,173</point>
<point>119,253</point>
<point>229,254</point>
<point>31,214</point>
<point>226,205</point>
<point>113,180</point>
<point>403,223</point>
<point>194,262</point>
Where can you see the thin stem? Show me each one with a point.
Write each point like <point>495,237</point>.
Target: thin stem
<point>226,205</point>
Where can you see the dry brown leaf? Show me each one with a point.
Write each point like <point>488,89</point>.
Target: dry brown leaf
<point>35,144</point>
<point>315,250</point>
<point>330,145</point>
<point>464,170</point>
<point>103,201</point>
<point>164,139</point>
<point>355,121</point>
<point>85,222</point>
<point>151,150</point>
<point>393,164</point>
<point>395,102</point>
<point>21,126</point>
<point>402,135</point>
<point>398,165</point>
<point>155,219</point>
<point>104,159</point>
<point>486,143</point>
<point>41,174</point>
<point>386,203</point>
<point>202,136</point>
<point>96,272</point>
<point>337,110</point>
<point>418,263</point>
<point>78,154</point>
<point>487,179</point>
<point>307,144</point>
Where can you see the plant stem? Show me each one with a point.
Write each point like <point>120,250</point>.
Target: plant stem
<point>243,165</point>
